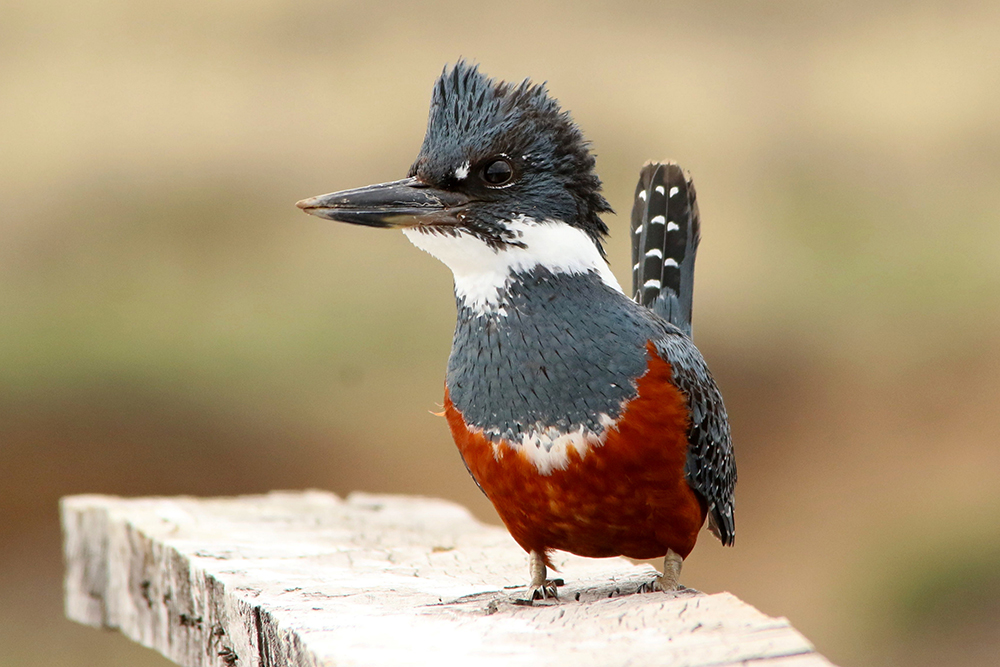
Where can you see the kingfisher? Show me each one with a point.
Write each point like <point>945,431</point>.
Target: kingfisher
<point>587,417</point>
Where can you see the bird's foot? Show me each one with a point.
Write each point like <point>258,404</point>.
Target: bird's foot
<point>544,591</point>
<point>668,581</point>
<point>658,584</point>
<point>541,587</point>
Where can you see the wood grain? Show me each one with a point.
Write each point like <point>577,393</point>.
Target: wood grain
<point>308,579</point>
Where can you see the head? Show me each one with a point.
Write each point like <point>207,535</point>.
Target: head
<point>493,152</point>
<point>501,167</point>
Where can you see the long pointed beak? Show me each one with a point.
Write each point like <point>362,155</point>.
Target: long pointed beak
<point>405,203</point>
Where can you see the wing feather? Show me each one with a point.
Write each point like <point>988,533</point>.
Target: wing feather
<point>711,464</point>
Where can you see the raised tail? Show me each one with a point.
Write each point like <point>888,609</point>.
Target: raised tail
<point>665,235</point>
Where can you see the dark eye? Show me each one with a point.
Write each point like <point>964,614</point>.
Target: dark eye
<point>498,171</point>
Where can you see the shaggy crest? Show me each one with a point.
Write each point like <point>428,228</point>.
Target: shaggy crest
<point>474,118</point>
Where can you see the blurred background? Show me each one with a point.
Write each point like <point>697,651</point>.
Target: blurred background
<point>170,323</point>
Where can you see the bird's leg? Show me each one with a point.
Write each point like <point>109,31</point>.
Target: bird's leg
<point>668,581</point>
<point>671,572</point>
<point>540,587</point>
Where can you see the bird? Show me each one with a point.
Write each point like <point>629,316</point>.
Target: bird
<point>587,416</point>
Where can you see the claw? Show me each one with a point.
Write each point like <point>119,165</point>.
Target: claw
<point>541,588</point>
<point>659,585</point>
<point>543,591</point>
<point>668,581</point>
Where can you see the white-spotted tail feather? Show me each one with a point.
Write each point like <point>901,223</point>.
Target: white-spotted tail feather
<point>665,235</point>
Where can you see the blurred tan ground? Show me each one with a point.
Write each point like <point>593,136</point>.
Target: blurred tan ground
<point>170,323</point>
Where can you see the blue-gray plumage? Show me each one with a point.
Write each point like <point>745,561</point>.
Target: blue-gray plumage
<point>561,350</point>
<point>711,465</point>
<point>564,350</point>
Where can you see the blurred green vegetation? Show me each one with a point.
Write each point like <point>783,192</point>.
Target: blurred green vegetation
<point>170,323</point>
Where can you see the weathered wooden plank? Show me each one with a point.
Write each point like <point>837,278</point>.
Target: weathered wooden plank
<point>308,579</point>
